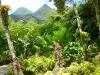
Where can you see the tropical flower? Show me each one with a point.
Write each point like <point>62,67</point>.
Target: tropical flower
<point>63,45</point>
<point>17,65</point>
<point>57,46</point>
<point>53,45</point>
<point>60,57</point>
<point>12,70</point>
<point>21,67</point>
<point>67,61</point>
<point>92,45</point>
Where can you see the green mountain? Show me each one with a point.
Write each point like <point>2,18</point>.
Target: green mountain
<point>42,12</point>
<point>25,18</point>
<point>22,11</point>
<point>25,14</point>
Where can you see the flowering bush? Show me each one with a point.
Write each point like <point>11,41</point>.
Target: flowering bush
<point>92,50</point>
<point>72,51</point>
<point>85,36</point>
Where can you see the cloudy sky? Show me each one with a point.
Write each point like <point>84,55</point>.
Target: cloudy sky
<point>32,5</point>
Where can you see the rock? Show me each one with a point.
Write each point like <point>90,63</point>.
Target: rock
<point>3,70</point>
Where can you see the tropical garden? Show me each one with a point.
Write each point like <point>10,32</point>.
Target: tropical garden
<point>68,43</point>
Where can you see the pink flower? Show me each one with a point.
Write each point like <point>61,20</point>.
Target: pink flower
<point>17,65</point>
<point>57,46</point>
<point>60,57</point>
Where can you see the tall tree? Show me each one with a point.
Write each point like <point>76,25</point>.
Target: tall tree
<point>96,4</point>
<point>80,30</point>
<point>60,4</point>
<point>97,10</point>
<point>4,14</point>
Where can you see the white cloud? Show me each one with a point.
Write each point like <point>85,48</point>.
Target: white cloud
<point>32,5</point>
<point>51,4</point>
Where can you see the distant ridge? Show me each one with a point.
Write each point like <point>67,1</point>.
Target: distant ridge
<point>42,11</point>
<point>23,13</point>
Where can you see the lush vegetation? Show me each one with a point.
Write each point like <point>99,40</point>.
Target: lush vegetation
<point>36,43</point>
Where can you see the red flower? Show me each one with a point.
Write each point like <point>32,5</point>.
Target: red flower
<point>67,61</point>
<point>12,70</point>
<point>63,45</point>
<point>43,49</point>
<point>17,65</point>
<point>60,57</point>
<point>92,45</point>
<point>85,36</point>
<point>21,67</point>
<point>53,45</point>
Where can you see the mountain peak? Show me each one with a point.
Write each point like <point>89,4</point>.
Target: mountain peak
<point>22,11</point>
<point>45,5</point>
<point>42,11</point>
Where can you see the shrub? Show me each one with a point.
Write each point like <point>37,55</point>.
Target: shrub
<point>73,51</point>
<point>48,73</point>
<point>85,68</point>
<point>38,64</point>
<point>96,60</point>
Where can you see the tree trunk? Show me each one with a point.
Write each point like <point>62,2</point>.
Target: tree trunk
<point>4,15</point>
<point>77,17</point>
<point>97,10</point>
<point>80,30</point>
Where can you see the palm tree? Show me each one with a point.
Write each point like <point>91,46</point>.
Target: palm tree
<point>4,14</point>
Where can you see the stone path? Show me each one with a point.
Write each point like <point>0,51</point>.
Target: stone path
<point>57,68</point>
<point>3,70</point>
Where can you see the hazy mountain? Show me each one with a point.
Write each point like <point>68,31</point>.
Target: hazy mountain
<point>25,14</point>
<point>25,18</point>
<point>42,12</point>
<point>22,11</point>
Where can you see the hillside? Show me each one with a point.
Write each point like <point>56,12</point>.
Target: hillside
<point>42,11</point>
<point>25,14</point>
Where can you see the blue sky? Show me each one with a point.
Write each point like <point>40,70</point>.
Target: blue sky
<point>32,5</point>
